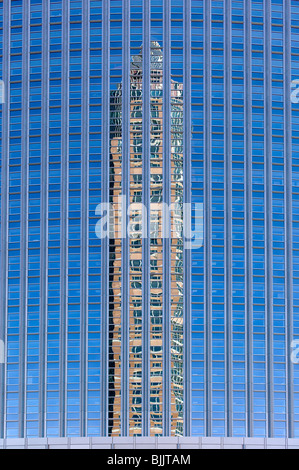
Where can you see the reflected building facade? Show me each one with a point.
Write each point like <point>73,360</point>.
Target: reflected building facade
<point>155,246</point>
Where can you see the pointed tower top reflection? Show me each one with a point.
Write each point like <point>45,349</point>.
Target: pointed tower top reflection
<point>156,58</point>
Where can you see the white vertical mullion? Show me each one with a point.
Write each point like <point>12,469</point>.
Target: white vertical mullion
<point>125,307</point>
<point>105,199</point>
<point>44,216</point>
<point>288,215</point>
<point>248,215</point>
<point>187,200</point>
<point>84,215</point>
<point>146,130</point>
<point>24,217</point>
<point>64,213</point>
<point>166,200</point>
<point>208,230</point>
<point>268,213</point>
<point>228,212</point>
<point>4,209</point>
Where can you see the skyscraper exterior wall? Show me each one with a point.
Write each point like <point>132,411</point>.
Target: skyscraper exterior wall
<point>127,102</point>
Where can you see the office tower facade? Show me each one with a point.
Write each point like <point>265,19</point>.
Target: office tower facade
<point>125,102</point>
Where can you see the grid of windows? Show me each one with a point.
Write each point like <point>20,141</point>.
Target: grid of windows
<point>74,130</point>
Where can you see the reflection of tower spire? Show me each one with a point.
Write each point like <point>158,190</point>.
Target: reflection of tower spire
<point>156,57</point>
<point>155,246</point>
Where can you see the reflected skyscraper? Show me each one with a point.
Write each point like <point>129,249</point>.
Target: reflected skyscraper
<point>154,245</point>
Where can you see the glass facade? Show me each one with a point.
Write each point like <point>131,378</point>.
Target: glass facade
<point>155,245</point>
<point>130,102</point>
